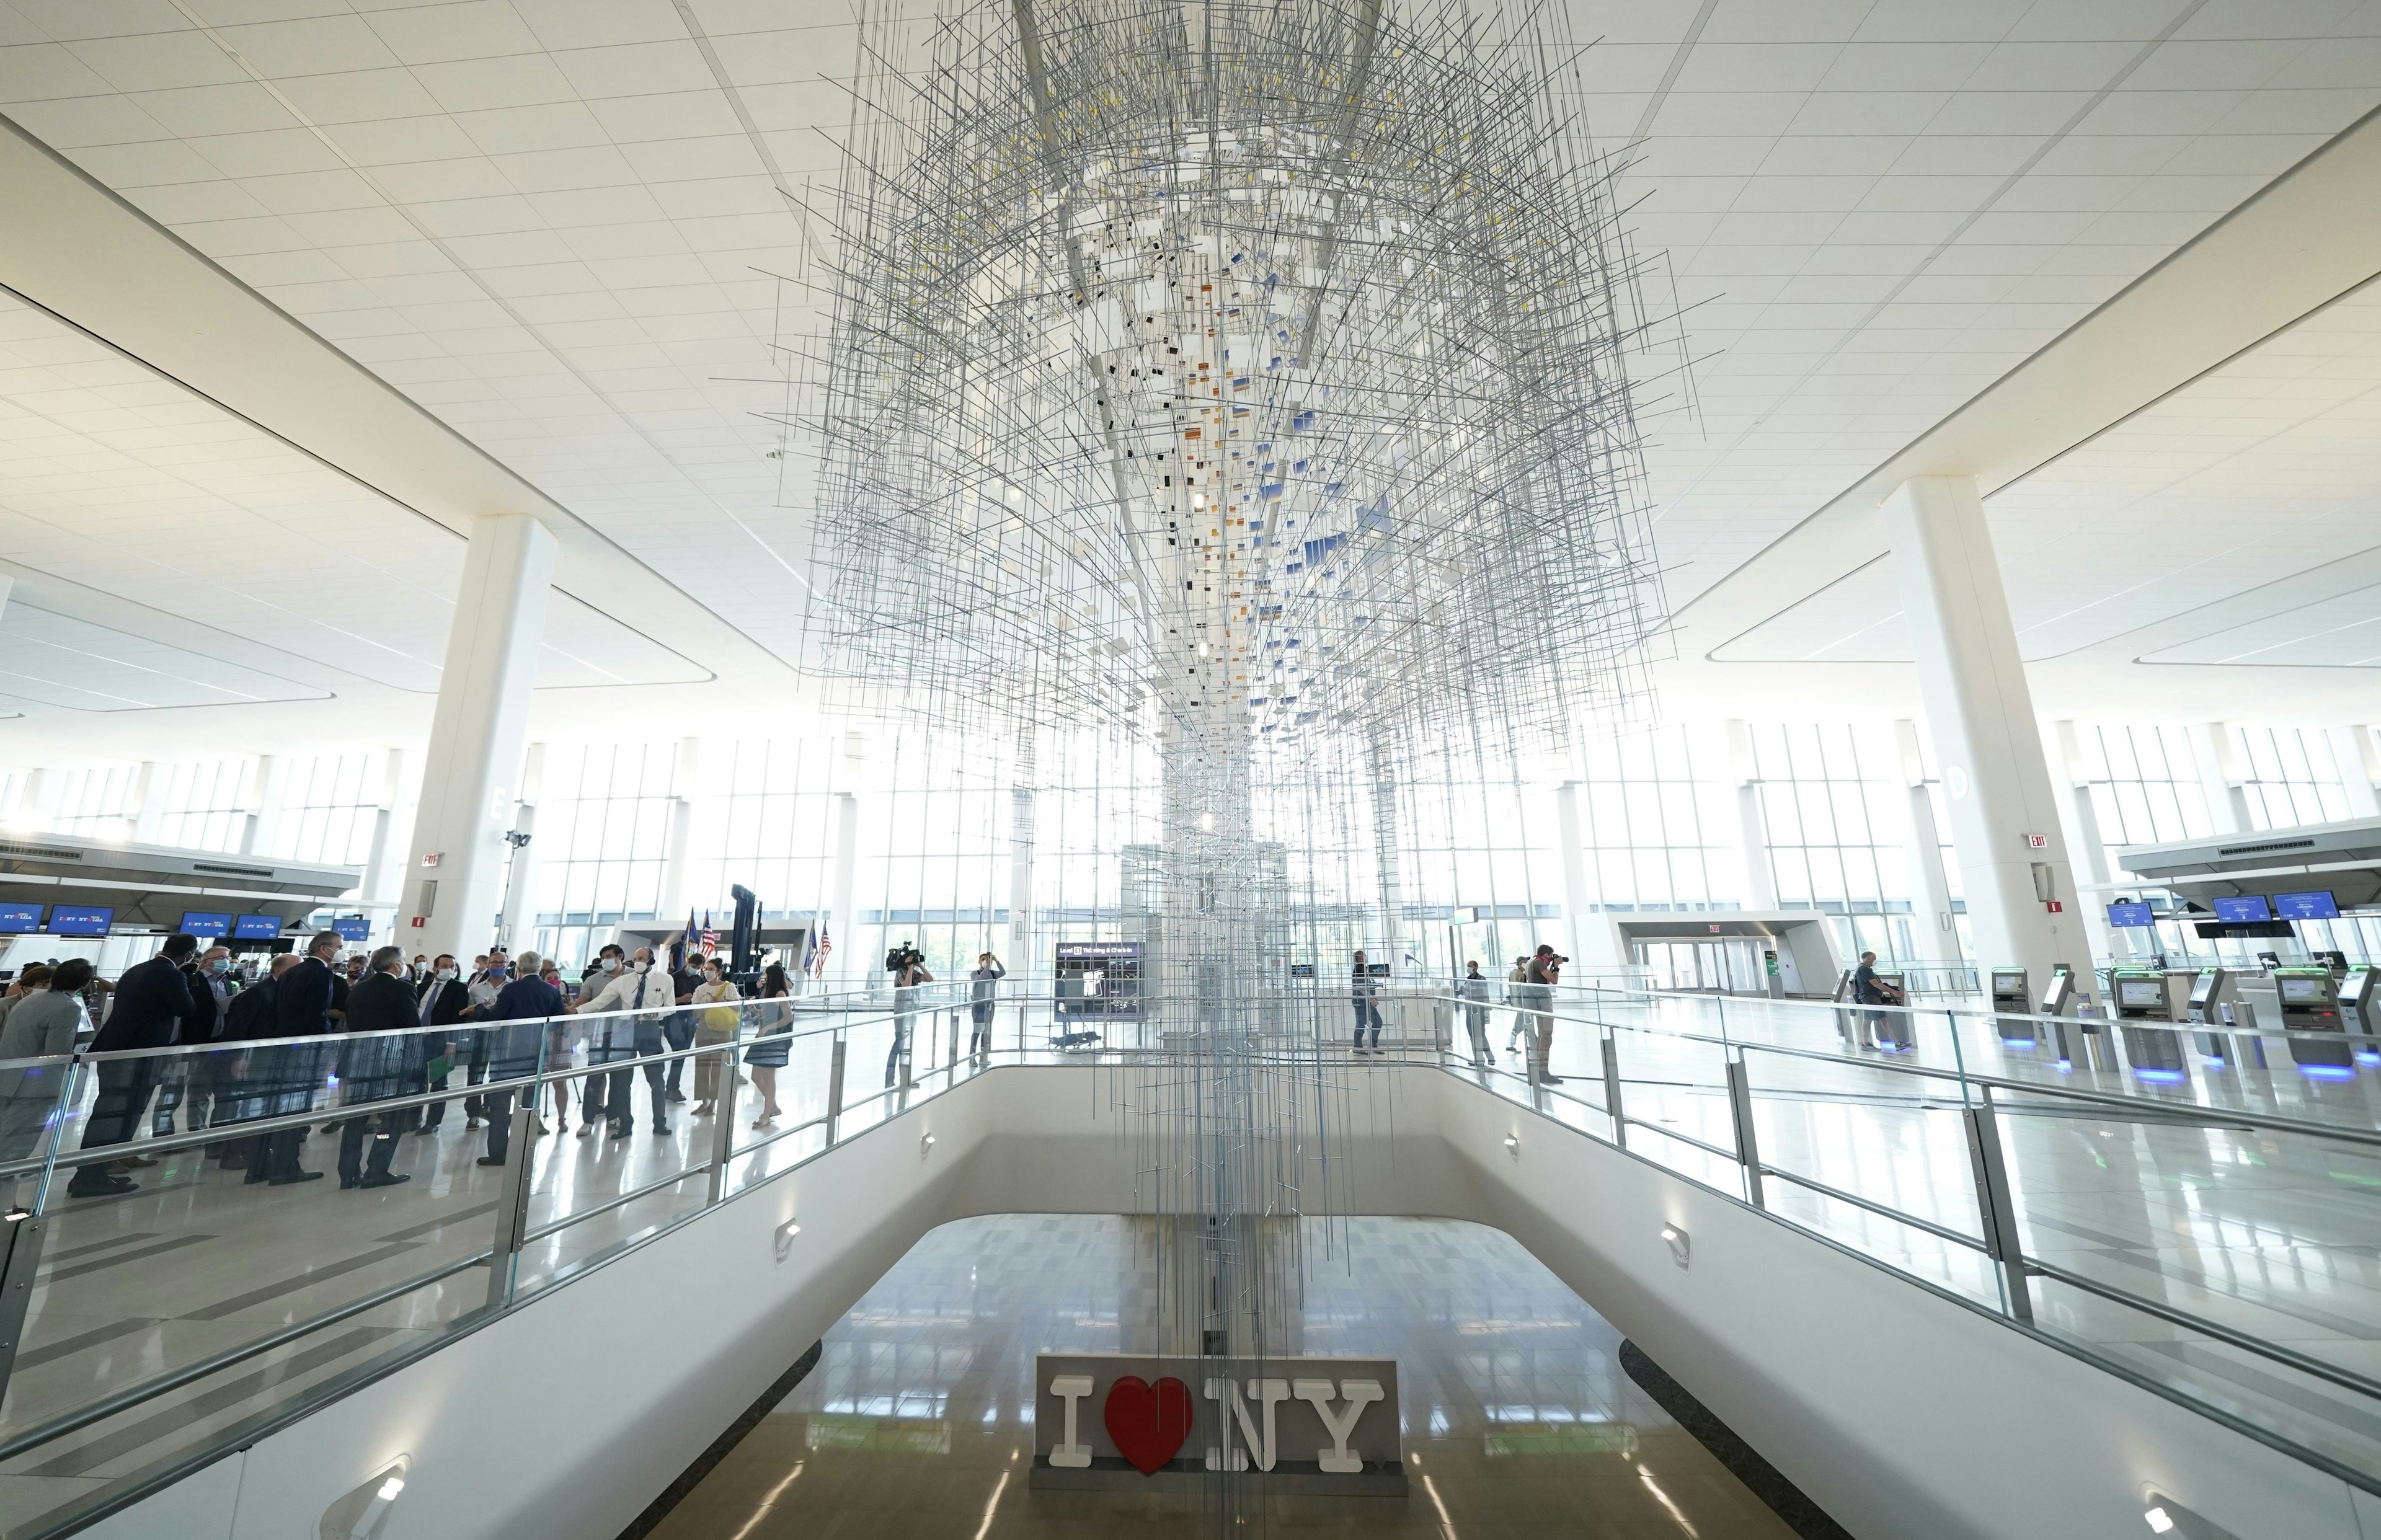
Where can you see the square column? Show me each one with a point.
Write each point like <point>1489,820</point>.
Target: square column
<point>2004,823</point>
<point>471,772</point>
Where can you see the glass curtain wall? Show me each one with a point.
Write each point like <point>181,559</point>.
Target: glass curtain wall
<point>202,809</point>
<point>603,831</point>
<point>1834,804</point>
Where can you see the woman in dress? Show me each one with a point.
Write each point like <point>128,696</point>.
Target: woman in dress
<point>767,1054</point>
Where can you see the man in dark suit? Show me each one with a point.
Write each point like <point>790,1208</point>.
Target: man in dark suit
<point>289,1072</point>
<point>251,1018</point>
<point>375,1068</point>
<point>189,1080</point>
<point>150,1000</point>
<point>439,1003</point>
<point>515,1043</point>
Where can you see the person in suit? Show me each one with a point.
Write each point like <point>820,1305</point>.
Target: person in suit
<point>439,1003</point>
<point>377,1067</point>
<point>645,992</point>
<point>516,1042</point>
<point>189,1078</point>
<point>152,998</point>
<point>253,1016</point>
<point>288,1073</point>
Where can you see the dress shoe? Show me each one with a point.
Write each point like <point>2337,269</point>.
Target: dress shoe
<point>678,1095</point>
<point>103,1186</point>
<point>388,1179</point>
<point>291,1179</point>
<point>662,1130</point>
<point>133,1163</point>
<point>621,1130</point>
<point>491,1160</point>
<point>347,1182</point>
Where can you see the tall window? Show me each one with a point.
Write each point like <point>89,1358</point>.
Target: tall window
<point>328,806</point>
<point>2293,778</point>
<point>1650,819</point>
<point>603,833</point>
<point>1828,795</point>
<point>96,801</point>
<point>200,810</point>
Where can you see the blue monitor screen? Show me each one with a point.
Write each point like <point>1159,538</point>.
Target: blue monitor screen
<point>2243,911</point>
<point>19,917</point>
<point>2132,916</point>
<point>2305,906</point>
<point>354,929</point>
<point>77,919</point>
<point>206,927</point>
<point>256,927</point>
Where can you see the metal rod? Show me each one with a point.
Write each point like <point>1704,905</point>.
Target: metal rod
<point>1880,1210</point>
<point>2347,1379</point>
<point>512,1209</point>
<point>25,1234</point>
<point>1612,1106</point>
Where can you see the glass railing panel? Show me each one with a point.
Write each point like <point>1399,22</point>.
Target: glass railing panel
<point>1674,1094</point>
<point>194,1258</point>
<point>1878,1136</point>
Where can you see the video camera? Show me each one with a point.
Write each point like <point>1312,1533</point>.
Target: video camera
<point>902,955</point>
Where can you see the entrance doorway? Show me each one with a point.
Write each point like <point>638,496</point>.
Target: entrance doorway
<point>1724,965</point>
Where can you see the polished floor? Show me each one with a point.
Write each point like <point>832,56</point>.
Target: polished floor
<point>1519,1422</point>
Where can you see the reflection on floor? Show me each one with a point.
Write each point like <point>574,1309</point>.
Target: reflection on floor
<point>1519,1420</point>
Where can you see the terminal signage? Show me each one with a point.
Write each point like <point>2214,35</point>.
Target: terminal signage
<point>256,927</point>
<point>2250,911</point>
<point>80,920</point>
<point>206,927</point>
<point>353,928</point>
<point>2131,916</point>
<point>2306,906</point>
<point>1328,1426</point>
<point>18,918</point>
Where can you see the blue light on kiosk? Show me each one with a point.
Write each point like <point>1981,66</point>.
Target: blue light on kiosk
<point>2168,1077</point>
<point>2327,1071</point>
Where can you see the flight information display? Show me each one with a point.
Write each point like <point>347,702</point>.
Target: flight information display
<point>2306,906</point>
<point>16,918</point>
<point>206,927</point>
<point>353,928</point>
<point>256,927</point>
<point>2244,912</point>
<point>80,920</point>
<point>2131,916</point>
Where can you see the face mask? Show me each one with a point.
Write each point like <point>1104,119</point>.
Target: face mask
<point>642,965</point>
<point>611,965</point>
<point>220,965</point>
<point>712,974</point>
<point>445,974</point>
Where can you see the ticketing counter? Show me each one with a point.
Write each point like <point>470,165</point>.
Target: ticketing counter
<point>2309,997</point>
<point>2147,995</point>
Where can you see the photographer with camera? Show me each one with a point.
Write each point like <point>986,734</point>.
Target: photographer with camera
<point>908,966</point>
<point>1543,972</point>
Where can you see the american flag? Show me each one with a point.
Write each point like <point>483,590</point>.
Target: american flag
<point>818,954</point>
<point>709,941</point>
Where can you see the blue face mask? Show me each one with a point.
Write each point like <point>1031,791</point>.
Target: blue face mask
<point>220,965</point>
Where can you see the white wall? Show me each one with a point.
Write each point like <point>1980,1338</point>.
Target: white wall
<point>1902,1414</point>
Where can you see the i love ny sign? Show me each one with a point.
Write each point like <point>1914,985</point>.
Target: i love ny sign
<point>1325,1426</point>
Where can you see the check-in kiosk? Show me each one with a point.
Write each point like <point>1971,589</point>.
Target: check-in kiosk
<point>2310,1002</point>
<point>2360,999</point>
<point>2150,995</point>
<point>2057,1002</point>
<point>2010,994</point>
<point>2212,998</point>
<point>1892,1027</point>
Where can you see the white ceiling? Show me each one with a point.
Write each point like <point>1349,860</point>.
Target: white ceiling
<point>570,230</point>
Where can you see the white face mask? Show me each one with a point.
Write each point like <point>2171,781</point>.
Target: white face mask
<point>611,965</point>
<point>712,974</point>
<point>642,964</point>
<point>445,975</point>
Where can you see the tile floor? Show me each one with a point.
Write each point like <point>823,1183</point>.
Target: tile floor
<point>1519,1421</point>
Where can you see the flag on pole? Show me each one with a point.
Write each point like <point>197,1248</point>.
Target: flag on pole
<point>709,940</point>
<point>688,942</point>
<point>818,955</point>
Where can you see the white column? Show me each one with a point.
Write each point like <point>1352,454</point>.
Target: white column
<point>2005,823</point>
<point>2071,772</point>
<point>470,770</point>
<point>520,871</point>
<point>374,887</point>
<point>1019,960</point>
<point>1752,833</point>
<point>268,785</point>
<point>1578,898</point>
<point>845,964</point>
<point>678,895</point>
<point>2220,776</point>
<point>1932,925</point>
<point>2360,768</point>
<point>147,803</point>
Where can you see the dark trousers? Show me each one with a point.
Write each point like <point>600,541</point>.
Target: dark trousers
<point>190,1083</point>
<point>1365,1007</point>
<point>619,1098</point>
<point>497,1108</point>
<point>125,1087</point>
<point>677,1030</point>
<point>383,1130</point>
<point>275,1154</point>
<point>1475,1019</point>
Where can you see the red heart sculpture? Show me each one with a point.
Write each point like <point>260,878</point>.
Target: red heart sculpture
<point>1148,1422</point>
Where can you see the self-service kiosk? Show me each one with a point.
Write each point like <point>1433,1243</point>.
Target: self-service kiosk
<point>2012,997</point>
<point>2059,1002</point>
<point>2211,999</point>
<point>2310,1002</point>
<point>2150,995</point>
<point>2360,999</point>
<point>1893,1031</point>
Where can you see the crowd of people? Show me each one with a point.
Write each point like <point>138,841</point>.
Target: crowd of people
<point>500,1020</point>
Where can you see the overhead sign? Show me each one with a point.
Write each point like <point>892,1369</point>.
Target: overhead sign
<point>2126,914</point>
<point>1328,1426</point>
